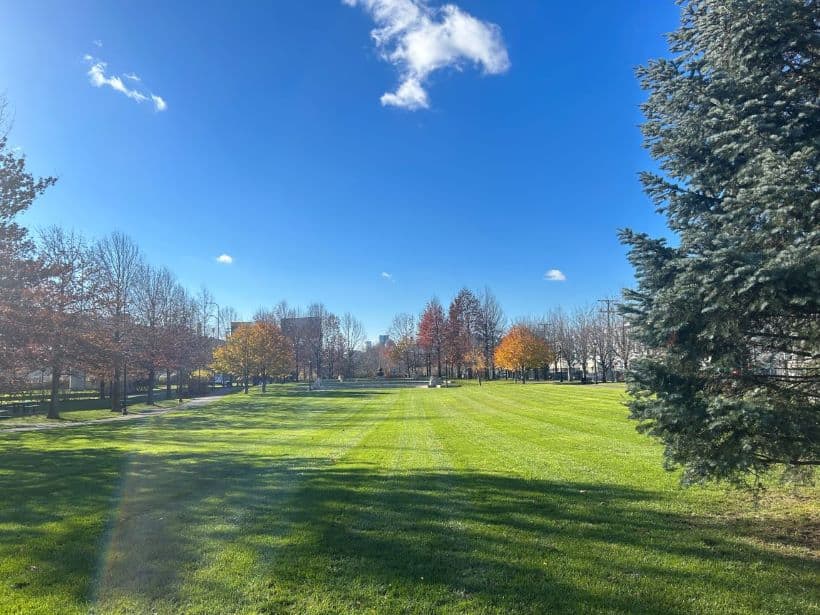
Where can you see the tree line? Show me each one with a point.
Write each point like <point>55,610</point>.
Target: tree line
<point>70,304</point>
<point>95,307</point>
<point>592,342</point>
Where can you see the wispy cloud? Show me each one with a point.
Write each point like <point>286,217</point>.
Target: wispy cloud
<point>159,103</point>
<point>225,259</point>
<point>98,77</point>
<point>387,276</point>
<point>555,275</point>
<point>97,43</point>
<point>418,40</point>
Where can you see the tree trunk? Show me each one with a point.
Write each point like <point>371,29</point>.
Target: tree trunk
<point>167,384</point>
<point>151,378</point>
<point>54,401</point>
<point>116,406</point>
<point>264,381</point>
<point>102,388</point>
<point>124,408</point>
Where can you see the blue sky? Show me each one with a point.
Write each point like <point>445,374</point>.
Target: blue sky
<point>276,148</point>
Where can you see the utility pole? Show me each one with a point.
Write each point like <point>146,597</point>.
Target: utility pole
<point>608,303</point>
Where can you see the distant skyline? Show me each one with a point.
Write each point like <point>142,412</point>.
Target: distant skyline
<point>367,154</point>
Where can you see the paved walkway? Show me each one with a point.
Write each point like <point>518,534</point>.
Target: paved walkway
<point>193,403</point>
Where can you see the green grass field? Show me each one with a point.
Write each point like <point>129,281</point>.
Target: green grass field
<point>76,411</point>
<point>498,499</point>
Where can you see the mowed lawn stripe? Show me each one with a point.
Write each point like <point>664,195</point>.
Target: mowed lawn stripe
<point>318,432</point>
<point>567,527</point>
<point>188,476</point>
<point>593,438</point>
<point>522,440</point>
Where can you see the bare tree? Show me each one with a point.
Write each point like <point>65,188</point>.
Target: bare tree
<point>206,310</point>
<point>180,340</point>
<point>602,344</point>
<point>489,328</point>
<point>225,315</point>
<point>119,263</point>
<point>352,337</point>
<point>281,311</point>
<point>623,342</point>
<point>332,343</point>
<point>315,335</point>
<point>405,349</point>
<point>569,343</point>
<point>559,333</point>
<point>153,296</point>
<point>582,320</point>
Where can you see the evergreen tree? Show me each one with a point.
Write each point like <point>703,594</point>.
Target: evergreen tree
<point>729,312</point>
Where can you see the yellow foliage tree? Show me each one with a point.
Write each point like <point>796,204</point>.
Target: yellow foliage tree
<point>274,351</point>
<point>237,355</point>
<point>260,349</point>
<point>476,362</point>
<point>521,349</point>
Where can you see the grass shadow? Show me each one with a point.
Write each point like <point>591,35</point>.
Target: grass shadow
<point>165,532</point>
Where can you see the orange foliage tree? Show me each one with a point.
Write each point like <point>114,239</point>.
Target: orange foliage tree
<point>521,349</point>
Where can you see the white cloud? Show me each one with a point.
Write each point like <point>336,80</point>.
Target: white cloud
<point>555,275</point>
<point>419,40</point>
<point>97,43</point>
<point>98,78</point>
<point>225,259</point>
<point>410,95</point>
<point>159,103</point>
<point>387,276</point>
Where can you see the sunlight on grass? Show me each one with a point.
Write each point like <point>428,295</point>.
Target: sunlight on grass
<point>495,499</point>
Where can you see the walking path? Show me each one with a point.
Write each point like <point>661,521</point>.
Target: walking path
<point>194,403</point>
